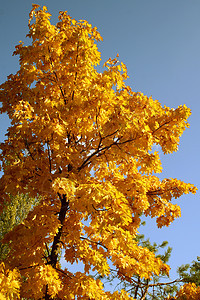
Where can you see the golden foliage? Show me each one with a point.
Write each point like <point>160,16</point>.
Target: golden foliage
<point>9,283</point>
<point>189,291</point>
<point>83,141</point>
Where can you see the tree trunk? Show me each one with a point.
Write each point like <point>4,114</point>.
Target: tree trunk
<point>53,257</point>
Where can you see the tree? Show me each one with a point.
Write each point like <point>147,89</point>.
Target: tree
<point>190,273</point>
<point>13,214</point>
<point>83,141</point>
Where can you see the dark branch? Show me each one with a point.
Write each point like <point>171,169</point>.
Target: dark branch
<point>100,151</point>
<point>49,156</point>
<point>57,239</point>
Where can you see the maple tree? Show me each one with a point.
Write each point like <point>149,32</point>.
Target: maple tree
<point>82,140</point>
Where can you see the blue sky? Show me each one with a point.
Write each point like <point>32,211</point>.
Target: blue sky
<point>159,41</point>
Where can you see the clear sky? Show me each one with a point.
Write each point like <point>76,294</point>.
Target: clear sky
<point>159,41</point>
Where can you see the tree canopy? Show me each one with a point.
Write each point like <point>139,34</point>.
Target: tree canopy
<point>84,142</point>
